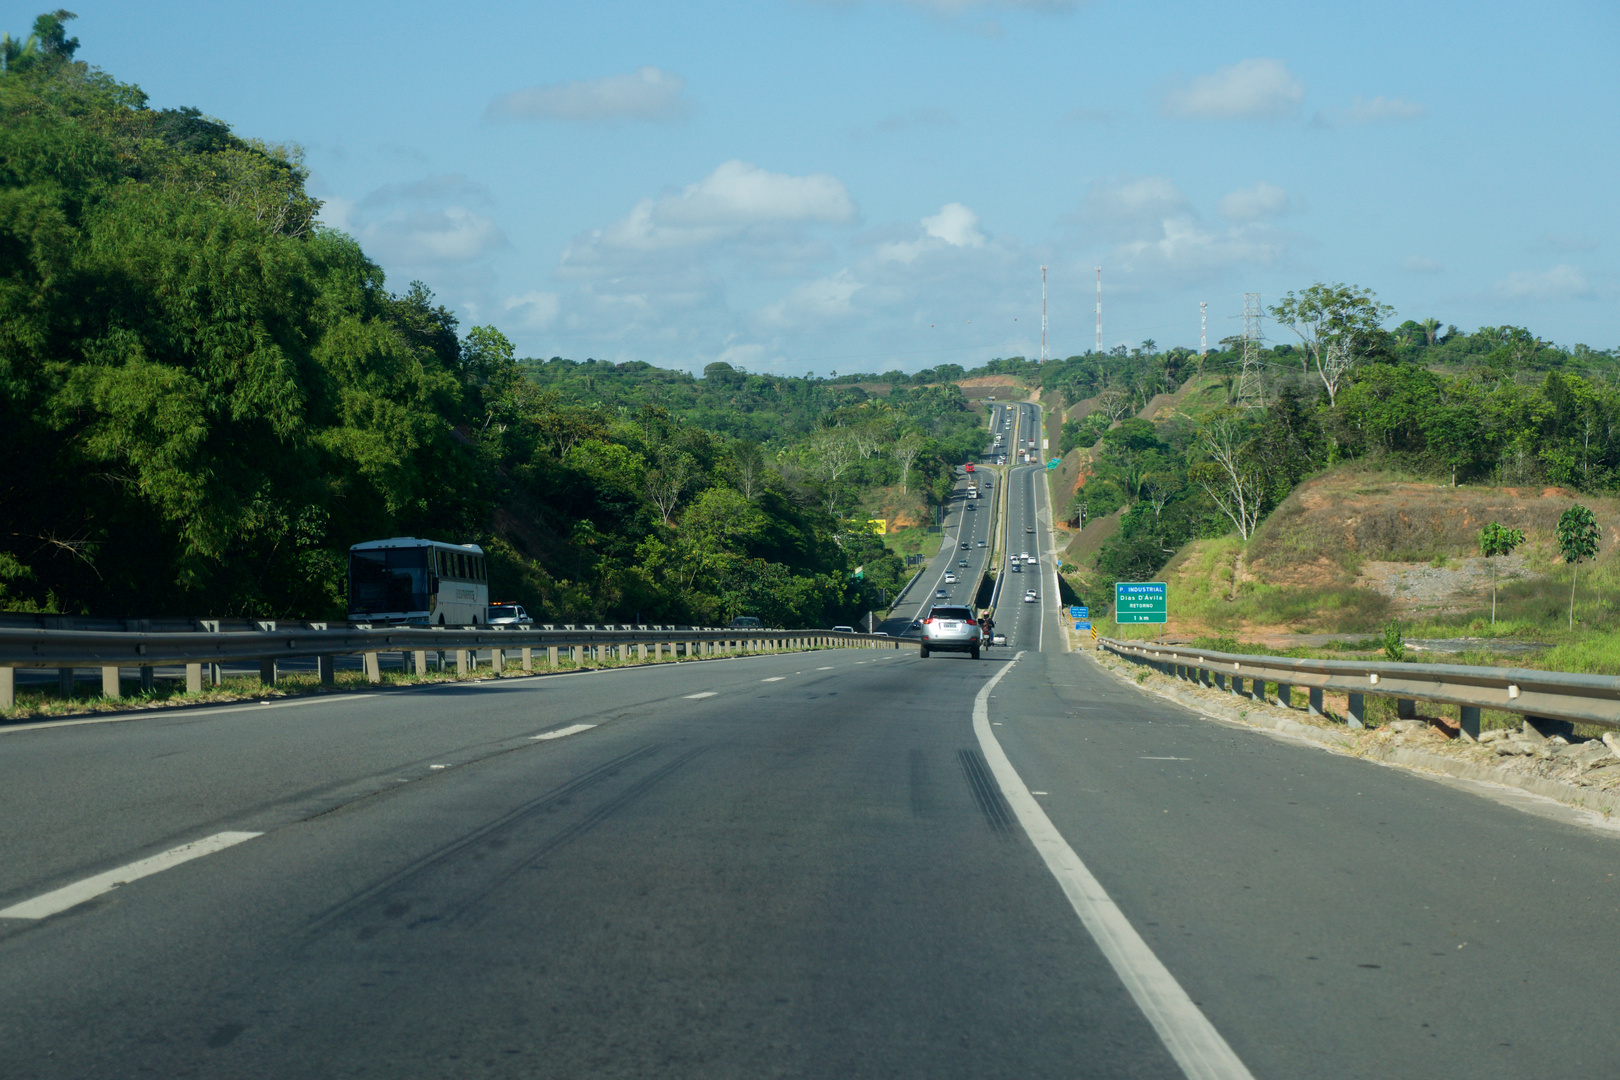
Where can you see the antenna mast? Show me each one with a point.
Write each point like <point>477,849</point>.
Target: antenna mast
<point>1043,315</point>
<point>1203,329</point>
<point>1099,309</point>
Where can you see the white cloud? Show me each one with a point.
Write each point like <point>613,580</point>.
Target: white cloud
<point>337,212</point>
<point>533,310</point>
<point>649,93</point>
<point>1562,282</point>
<point>816,302</point>
<point>736,202</point>
<point>454,234</point>
<point>1249,88</point>
<point>1256,203</point>
<point>1418,264</point>
<point>1155,229</point>
<point>1376,111</point>
<point>956,225</point>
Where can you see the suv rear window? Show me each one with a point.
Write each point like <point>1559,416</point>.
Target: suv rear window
<point>965,614</point>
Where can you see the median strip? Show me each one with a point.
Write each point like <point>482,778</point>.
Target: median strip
<point>67,896</point>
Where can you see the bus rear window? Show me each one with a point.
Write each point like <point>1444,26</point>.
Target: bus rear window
<point>388,580</point>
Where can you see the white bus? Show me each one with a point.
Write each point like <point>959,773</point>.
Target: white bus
<point>406,580</point>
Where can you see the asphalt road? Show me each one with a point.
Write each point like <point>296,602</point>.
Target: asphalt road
<point>808,865</point>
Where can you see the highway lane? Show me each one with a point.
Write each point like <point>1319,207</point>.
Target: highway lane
<point>810,877</point>
<point>784,865</point>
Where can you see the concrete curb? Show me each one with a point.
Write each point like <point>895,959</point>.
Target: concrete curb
<point>1275,718</point>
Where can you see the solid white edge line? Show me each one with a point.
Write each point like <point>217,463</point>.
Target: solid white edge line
<point>91,887</point>
<point>1187,1033</point>
<point>572,729</point>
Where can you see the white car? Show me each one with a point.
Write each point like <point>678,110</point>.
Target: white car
<point>1030,597</point>
<point>1031,559</point>
<point>950,579</point>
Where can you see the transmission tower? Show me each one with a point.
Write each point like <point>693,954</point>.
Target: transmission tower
<point>1043,315</point>
<point>1099,309</point>
<point>1250,391</point>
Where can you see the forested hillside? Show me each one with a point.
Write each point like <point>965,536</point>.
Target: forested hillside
<point>208,397</point>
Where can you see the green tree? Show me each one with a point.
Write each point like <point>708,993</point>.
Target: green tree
<point>1578,537</point>
<point>1494,540</point>
<point>1333,322</point>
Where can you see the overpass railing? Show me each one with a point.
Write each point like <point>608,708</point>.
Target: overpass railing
<point>210,643</point>
<point>1549,701</point>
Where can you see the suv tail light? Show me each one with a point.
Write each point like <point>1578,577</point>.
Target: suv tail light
<point>928,621</point>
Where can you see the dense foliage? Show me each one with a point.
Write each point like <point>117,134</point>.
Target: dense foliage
<point>209,397</point>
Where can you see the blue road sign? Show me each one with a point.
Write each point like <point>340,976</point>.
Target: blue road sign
<point>1077,612</point>
<point>1082,624</point>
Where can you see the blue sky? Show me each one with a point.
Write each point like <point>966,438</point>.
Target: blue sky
<point>796,185</point>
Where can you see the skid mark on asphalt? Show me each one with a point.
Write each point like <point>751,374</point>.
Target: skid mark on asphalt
<point>555,797</point>
<point>986,795</point>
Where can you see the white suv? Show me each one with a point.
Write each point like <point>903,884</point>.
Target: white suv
<point>950,629</point>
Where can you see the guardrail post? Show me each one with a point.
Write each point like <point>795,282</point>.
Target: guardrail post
<point>373,668</point>
<point>1220,680</point>
<point>1405,708</point>
<point>641,651</point>
<point>326,665</point>
<point>419,661</point>
<point>1539,727</point>
<point>1468,719</point>
<point>551,656</point>
<point>267,671</point>
<point>1258,688</point>
<point>1285,695</point>
<point>109,683</point>
<point>1237,685</point>
<point>64,681</point>
<point>1355,713</point>
<point>461,661</point>
<point>147,680</point>
<point>528,658</point>
<point>193,678</point>
<point>8,687</point>
<point>1314,696</point>
<point>497,660</point>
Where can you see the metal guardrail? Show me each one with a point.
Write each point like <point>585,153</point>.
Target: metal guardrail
<point>267,643</point>
<point>1549,701</point>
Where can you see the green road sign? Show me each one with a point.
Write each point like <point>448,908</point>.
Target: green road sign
<point>1140,602</point>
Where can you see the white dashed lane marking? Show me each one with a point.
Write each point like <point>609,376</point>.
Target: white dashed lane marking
<point>67,896</point>
<point>704,694</point>
<point>571,729</point>
<point>774,678</point>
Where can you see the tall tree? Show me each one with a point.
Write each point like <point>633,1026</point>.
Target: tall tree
<point>1333,323</point>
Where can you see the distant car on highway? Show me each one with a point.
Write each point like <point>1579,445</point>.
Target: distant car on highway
<point>511,615</point>
<point>981,543</point>
<point>1029,528</point>
<point>950,578</point>
<point>950,629</point>
<point>746,622</point>
<point>998,639</point>
<point>964,545</point>
<point>961,562</point>
<point>1016,567</point>
<point>941,594</point>
<point>1032,560</point>
<point>1030,597</point>
<point>843,629</point>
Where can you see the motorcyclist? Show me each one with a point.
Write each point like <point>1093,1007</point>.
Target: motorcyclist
<point>987,628</point>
